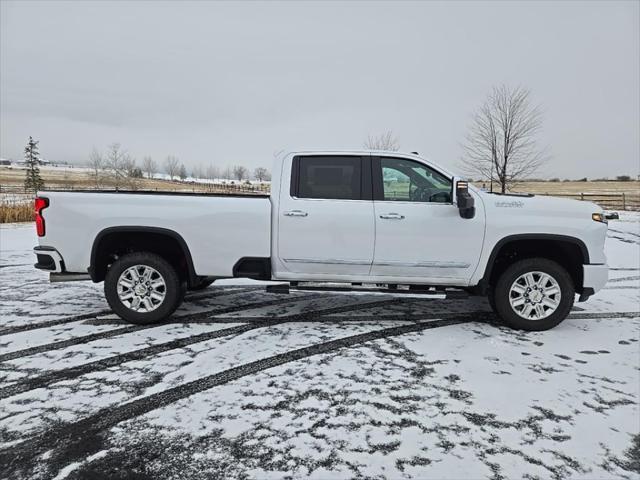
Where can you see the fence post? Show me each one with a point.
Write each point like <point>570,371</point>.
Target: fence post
<point>624,202</point>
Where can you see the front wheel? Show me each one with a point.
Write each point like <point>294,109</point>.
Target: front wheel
<point>533,294</point>
<point>142,288</point>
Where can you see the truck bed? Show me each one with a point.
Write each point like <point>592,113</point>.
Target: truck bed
<point>219,229</point>
<point>159,192</point>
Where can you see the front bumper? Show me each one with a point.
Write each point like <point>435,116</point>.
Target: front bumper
<point>48,259</point>
<point>594,277</point>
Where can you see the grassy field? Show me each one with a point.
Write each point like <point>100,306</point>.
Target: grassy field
<point>77,178</point>
<point>596,187</point>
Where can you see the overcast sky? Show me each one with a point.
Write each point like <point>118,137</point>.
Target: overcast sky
<point>226,83</point>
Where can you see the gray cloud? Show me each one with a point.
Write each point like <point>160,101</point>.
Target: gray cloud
<point>233,82</point>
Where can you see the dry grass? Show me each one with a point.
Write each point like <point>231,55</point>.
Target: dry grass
<point>573,188</point>
<point>11,212</point>
<point>599,187</point>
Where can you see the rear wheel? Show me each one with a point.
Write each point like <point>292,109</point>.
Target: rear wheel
<point>533,294</point>
<point>142,288</point>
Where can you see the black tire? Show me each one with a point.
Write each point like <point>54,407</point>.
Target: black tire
<point>202,284</point>
<point>174,292</point>
<point>491,297</point>
<point>501,294</point>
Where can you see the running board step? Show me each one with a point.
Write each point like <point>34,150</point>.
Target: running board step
<point>68,277</point>
<point>285,288</point>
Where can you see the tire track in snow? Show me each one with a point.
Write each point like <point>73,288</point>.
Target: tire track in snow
<point>479,315</point>
<point>136,328</point>
<point>52,323</point>
<point>476,315</point>
<point>624,232</point>
<point>64,436</point>
<point>603,315</point>
<point>93,315</point>
<point>50,377</point>
<point>625,240</point>
<point>219,292</point>
<point>623,279</point>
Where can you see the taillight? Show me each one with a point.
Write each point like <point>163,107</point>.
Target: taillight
<point>40,204</point>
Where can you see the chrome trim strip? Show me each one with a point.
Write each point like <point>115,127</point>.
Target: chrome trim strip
<point>335,261</point>
<point>390,263</point>
<point>331,261</point>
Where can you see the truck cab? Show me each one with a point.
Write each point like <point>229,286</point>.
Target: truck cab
<point>353,217</point>
<point>381,218</point>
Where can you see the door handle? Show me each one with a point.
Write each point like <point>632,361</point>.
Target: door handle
<point>392,216</point>
<point>295,213</point>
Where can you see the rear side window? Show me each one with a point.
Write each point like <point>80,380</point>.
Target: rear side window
<point>331,177</point>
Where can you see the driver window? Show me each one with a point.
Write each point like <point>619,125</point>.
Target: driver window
<point>408,181</point>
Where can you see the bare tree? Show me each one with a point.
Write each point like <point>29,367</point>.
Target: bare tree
<point>261,174</point>
<point>119,164</point>
<point>182,172</point>
<point>240,172</point>
<point>171,165</point>
<point>385,141</point>
<point>227,173</point>
<point>149,166</point>
<point>196,172</point>
<point>96,164</point>
<point>133,174</point>
<point>213,172</point>
<point>501,144</point>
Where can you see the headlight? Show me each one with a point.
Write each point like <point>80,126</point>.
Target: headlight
<point>599,217</point>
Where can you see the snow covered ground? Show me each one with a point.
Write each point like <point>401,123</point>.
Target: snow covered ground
<point>246,384</point>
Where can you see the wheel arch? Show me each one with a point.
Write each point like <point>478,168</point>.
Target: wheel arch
<point>570,252</point>
<point>121,239</point>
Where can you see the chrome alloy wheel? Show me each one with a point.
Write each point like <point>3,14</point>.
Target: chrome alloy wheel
<point>534,295</point>
<point>141,288</point>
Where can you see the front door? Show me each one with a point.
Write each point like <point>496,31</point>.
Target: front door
<point>419,231</point>
<point>325,218</point>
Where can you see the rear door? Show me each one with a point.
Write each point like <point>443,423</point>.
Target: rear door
<point>419,231</point>
<point>326,222</point>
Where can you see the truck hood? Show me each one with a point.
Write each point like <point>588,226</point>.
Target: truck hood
<point>526,205</point>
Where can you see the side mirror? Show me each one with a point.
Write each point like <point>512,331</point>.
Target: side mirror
<point>465,201</point>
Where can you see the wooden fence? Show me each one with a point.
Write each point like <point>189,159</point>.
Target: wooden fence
<point>608,201</point>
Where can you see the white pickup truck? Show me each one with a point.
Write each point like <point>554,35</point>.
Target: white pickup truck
<point>381,218</point>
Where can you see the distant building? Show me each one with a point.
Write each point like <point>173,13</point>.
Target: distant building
<point>4,161</point>
<point>40,161</point>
